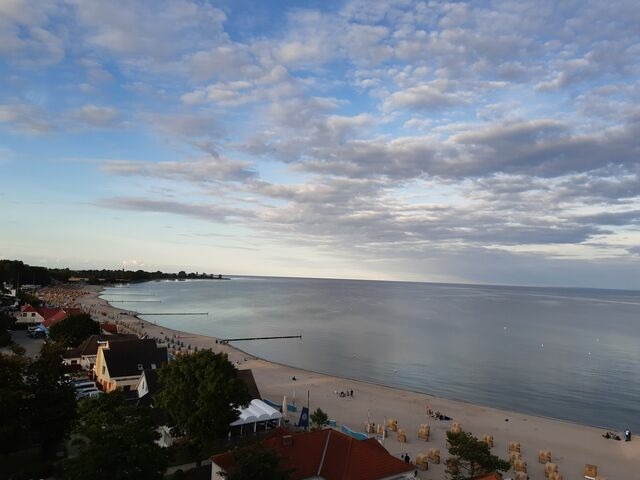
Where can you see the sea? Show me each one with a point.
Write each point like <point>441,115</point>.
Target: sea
<point>566,353</point>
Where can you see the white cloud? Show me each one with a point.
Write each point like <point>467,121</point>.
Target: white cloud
<point>95,115</point>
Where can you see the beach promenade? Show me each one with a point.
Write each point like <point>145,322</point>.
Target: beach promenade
<point>571,445</point>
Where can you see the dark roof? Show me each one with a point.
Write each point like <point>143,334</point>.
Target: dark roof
<point>90,345</point>
<point>345,459</point>
<point>247,377</point>
<point>127,358</point>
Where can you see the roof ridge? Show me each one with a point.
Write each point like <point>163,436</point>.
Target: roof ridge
<point>324,453</point>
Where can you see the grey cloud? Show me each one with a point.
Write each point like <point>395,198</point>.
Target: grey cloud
<point>631,217</point>
<point>96,115</point>
<point>25,118</point>
<point>128,31</point>
<point>212,169</point>
<point>426,97</point>
<point>216,213</point>
<point>545,148</point>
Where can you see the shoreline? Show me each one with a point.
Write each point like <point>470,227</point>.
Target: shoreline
<point>572,444</point>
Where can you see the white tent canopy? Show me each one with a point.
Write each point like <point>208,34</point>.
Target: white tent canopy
<point>257,411</point>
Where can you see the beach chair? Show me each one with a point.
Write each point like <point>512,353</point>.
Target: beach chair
<point>521,476</point>
<point>452,466</point>
<point>392,424</point>
<point>555,476</point>
<point>423,432</point>
<point>456,428</point>
<point>488,440</point>
<point>402,436</point>
<point>434,455</point>
<point>520,466</point>
<point>590,471</point>
<point>544,456</point>
<point>550,468</point>
<point>514,447</point>
<point>421,462</point>
<point>514,456</point>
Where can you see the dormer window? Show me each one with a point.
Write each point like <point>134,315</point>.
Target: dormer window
<point>153,366</point>
<point>140,367</point>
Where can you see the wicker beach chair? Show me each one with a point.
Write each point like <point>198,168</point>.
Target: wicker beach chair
<point>544,456</point>
<point>402,436</point>
<point>488,440</point>
<point>590,471</point>
<point>392,424</point>
<point>452,466</point>
<point>423,432</point>
<point>521,476</point>
<point>434,455</point>
<point>514,447</point>
<point>456,428</point>
<point>514,456</point>
<point>520,466</point>
<point>421,462</point>
<point>550,468</point>
<point>555,476</point>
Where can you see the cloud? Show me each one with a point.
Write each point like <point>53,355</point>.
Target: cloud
<point>95,115</point>
<point>27,34</point>
<point>426,97</point>
<point>211,169</point>
<point>215,213</point>
<point>24,118</point>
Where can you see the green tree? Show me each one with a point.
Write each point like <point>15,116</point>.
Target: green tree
<point>74,329</point>
<point>116,442</point>
<point>6,323</point>
<point>14,411</point>
<point>256,463</point>
<point>52,400</point>
<point>202,395</point>
<point>319,418</point>
<point>474,456</point>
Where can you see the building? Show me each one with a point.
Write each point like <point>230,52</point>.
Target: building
<point>40,315</point>
<point>85,354</point>
<point>326,455</point>
<point>120,364</point>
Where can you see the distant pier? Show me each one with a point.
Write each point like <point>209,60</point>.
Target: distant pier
<point>173,313</point>
<point>227,340</point>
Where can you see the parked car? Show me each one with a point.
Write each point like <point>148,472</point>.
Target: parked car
<point>94,392</point>
<point>84,385</point>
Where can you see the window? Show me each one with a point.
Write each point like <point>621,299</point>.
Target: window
<point>140,367</point>
<point>126,388</point>
<point>33,314</point>
<point>153,366</point>
<point>104,369</point>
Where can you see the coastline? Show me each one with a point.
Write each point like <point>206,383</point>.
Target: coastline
<point>572,445</point>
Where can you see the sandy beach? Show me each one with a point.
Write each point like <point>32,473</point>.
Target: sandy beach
<point>571,445</point>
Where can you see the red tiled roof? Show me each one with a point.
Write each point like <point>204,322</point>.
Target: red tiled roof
<point>346,458</point>
<point>109,327</point>
<point>488,476</point>
<point>53,316</point>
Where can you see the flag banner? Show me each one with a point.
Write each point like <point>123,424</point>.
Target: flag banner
<point>304,418</point>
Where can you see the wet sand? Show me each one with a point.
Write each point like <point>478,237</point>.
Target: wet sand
<point>571,445</point>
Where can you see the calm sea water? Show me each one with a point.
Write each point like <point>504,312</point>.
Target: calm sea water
<point>572,354</point>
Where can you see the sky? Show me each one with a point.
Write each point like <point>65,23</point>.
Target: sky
<point>476,142</point>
